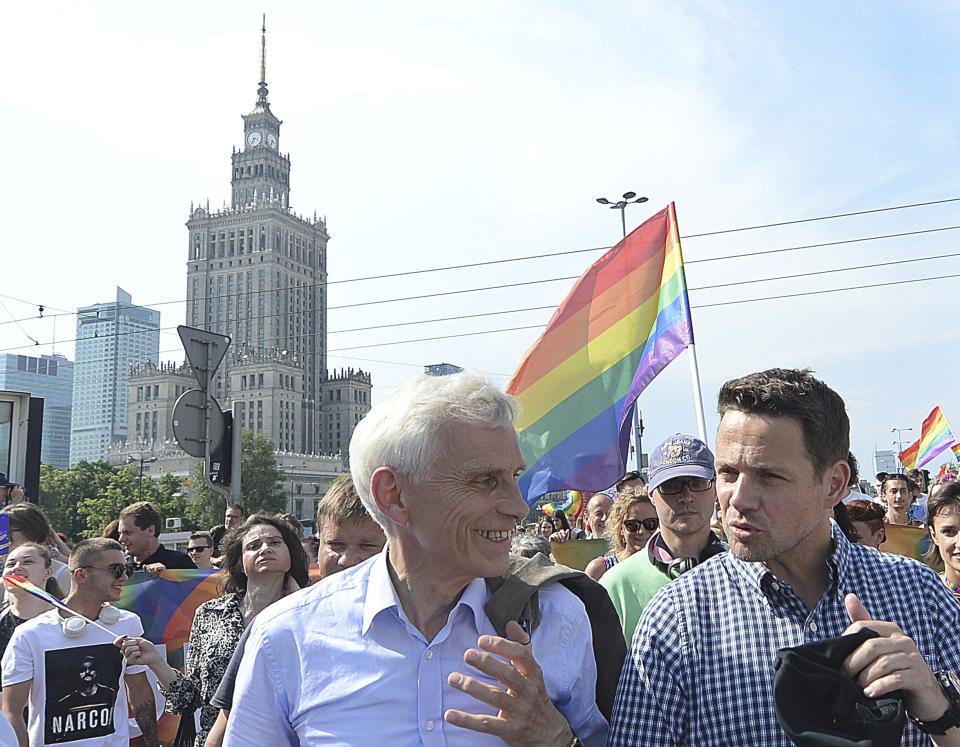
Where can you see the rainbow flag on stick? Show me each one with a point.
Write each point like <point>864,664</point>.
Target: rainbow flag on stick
<point>18,582</point>
<point>935,438</point>
<point>626,318</point>
<point>956,451</point>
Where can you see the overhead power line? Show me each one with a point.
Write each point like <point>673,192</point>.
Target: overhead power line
<point>547,255</point>
<point>692,306</point>
<point>791,276</point>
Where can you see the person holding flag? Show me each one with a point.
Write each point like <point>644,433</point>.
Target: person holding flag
<point>65,666</point>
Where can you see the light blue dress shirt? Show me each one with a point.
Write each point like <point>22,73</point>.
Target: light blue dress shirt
<point>340,664</point>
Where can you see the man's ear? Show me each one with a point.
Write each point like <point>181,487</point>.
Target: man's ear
<point>836,478</point>
<point>386,485</point>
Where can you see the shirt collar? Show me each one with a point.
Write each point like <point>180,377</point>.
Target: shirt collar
<point>382,596</point>
<point>760,576</point>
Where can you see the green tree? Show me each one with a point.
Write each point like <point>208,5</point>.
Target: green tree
<point>208,506</point>
<point>61,493</point>
<point>103,508</point>
<point>166,493</point>
<point>261,487</point>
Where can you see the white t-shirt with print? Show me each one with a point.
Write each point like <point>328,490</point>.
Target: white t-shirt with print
<point>77,696</point>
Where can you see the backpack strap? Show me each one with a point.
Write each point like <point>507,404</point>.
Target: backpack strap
<point>514,597</point>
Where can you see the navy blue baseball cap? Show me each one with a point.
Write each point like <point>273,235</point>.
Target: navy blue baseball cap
<point>680,456</point>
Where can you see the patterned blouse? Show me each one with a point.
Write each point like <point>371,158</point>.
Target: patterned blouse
<point>217,627</point>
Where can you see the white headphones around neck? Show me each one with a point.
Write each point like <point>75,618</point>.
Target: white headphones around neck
<point>74,626</point>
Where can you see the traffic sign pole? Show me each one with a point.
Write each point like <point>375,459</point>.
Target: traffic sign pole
<point>235,456</point>
<point>205,351</point>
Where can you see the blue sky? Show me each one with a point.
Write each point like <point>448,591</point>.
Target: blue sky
<point>436,133</point>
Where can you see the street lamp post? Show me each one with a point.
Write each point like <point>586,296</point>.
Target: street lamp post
<point>629,198</point>
<point>141,460</point>
<point>899,442</point>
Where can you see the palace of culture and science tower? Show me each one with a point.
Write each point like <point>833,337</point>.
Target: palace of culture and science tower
<point>257,272</point>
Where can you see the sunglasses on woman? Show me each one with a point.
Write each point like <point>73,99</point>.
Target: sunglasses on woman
<point>635,525</point>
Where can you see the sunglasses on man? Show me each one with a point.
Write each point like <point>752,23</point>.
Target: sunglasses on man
<point>635,525</point>
<point>675,486</point>
<point>118,570</point>
<point>198,548</point>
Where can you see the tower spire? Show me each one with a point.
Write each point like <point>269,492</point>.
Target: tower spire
<point>262,88</point>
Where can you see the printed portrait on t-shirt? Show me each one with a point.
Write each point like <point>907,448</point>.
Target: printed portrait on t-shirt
<point>82,685</point>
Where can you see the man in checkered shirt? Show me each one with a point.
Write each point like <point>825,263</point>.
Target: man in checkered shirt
<point>700,669</point>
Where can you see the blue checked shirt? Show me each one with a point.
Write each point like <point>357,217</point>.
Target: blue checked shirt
<point>700,669</point>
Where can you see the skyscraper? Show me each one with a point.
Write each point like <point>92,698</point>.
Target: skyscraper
<point>257,272</point>
<point>111,337</point>
<point>51,378</point>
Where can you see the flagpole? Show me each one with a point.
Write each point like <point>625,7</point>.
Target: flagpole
<point>697,394</point>
<point>694,368</point>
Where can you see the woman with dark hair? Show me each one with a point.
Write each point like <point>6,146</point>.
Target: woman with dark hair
<point>28,523</point>
<point>263,561</point>
<point>866,518</point>
<point>943,521</point>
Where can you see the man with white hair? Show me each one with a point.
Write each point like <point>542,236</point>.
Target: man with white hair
<point>399,649</point>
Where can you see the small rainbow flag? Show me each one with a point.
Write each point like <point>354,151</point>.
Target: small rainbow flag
<point>956,451</point>
<point>935,438</point>
<point>626,318</point>
<point>19,582</point>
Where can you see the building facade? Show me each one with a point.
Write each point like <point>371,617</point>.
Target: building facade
<point>441,369</point>
<point>49,377</point>
<point>346,400</point>
<point>257,272</point>
<point>152,393</point>
<point>885,460</point>
<point>111,338</point>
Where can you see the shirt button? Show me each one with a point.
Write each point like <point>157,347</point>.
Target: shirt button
<point>429,725</point>
<point>775,586</point>
<point>429,655</point>
<point>813,627</point>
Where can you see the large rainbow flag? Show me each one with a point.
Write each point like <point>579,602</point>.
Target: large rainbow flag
<point>935,438</point>
<point>166,605</point>
<point>626,318</point>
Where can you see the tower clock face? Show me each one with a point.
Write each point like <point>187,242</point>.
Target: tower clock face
<point>254,138</point>
<point>271,141</point>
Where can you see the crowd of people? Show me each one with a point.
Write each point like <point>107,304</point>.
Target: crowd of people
<point>465,631</point>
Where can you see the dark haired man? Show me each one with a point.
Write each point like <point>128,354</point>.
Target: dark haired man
<point>232,518</point>
<point>71,674</point>
<point>139,534</point>
<point>200,549</point>
<point>897,490</point>
<point>700,668</point>
<point>682,492</point>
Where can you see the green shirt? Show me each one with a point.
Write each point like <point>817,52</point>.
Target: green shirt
<point>631,584</point>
